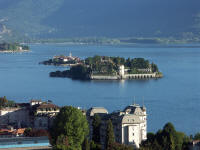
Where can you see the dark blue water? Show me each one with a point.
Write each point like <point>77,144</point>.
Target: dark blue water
<point>174,98</point>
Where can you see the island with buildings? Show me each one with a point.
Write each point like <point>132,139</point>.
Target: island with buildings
<point>13,47</point>
<point>63,60</point>
<point>111,68</point>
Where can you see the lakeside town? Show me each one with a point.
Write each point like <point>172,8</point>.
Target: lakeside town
<point>95,127</point>
<point>99,75</point>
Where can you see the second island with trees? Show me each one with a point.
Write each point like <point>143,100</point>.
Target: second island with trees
<point>111,68</point>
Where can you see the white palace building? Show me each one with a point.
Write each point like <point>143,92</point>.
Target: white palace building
<point>130,125</point>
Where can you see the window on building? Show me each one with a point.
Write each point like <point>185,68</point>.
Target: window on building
<point>40,122</point>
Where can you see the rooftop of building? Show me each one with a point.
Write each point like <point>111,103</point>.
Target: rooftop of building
<point>47,105</point>
<point>135,109</point>
<point>35,100</point>
<point>96,110</point>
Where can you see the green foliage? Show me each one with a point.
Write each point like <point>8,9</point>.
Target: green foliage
<point>12,47</point>
<point>79,72</point>
<point>118,60</point>
<point>154,67</point>
<point>96,124</point>
<point>138,63</point>
<point>27,131</point>
<point>69,124</point>
<point>86,144</point>
<point>4,102</point>
<point>62,143</point>
<point>110,137</point>
<point>197,136</point>
<point>109,65</point>
<point>166,139</point>
<point>118,146</point>
<point>95,146</point>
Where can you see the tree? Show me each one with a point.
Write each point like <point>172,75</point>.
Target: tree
<point>110,137</point>
<point>197,136</point>
<point>96,124</point>
<point>118,146</point>
<point>95,146</point>
<point>69,124</point>
<point>79,72</point>
<point>154,67</point>
<point>166,139</point>
<point>86,144</point>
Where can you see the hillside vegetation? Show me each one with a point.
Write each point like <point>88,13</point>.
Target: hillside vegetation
<point>47,19</point>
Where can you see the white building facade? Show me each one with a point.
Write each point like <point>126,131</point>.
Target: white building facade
<point>130,125</point>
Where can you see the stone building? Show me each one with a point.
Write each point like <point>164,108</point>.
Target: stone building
<point>36,114</point>
<point>130,125</point>
<point>16,116</point>
<point>44,115</point>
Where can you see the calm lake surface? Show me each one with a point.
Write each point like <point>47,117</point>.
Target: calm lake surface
<point>174,98</point>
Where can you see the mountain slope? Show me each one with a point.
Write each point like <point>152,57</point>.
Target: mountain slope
<point>110,18</point>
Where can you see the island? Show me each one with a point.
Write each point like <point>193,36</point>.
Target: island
<point>13,47</point>
<point>111,68</point>
<point>62,60</point>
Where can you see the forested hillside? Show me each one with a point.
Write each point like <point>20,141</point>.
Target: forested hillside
<point>99,18</point>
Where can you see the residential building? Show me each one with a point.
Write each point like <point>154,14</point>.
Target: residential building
<point>130,125</point>
<point>36,114</point>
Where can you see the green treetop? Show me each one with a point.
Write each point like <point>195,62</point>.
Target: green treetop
<point>69,130</point>
<point>166,139</point>
<point>110,137</point>
<point>197,136</point>
<point>96,124</point>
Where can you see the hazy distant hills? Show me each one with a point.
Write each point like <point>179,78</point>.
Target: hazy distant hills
<point>99,18</point>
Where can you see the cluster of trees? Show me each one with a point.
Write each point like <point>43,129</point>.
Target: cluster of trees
<point>70,132</point>
<point>75,72</point>
<point>110,64</point>
<point>14,46</point>
<point>196,137</point>
<point>137,63</point>
<point>111,144</point>
<point>101,65</point>
<point>4,102</point>
<point>80,72</point>
<point>167,139</point>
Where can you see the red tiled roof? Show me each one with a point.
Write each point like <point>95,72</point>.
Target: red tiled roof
<point>5,130</point>
<point>19,131</point>
<point>12,132</point>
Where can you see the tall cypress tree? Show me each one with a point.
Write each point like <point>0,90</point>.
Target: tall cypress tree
<point>86,144</point>
<point>110,137</point>
<point>96,124</point>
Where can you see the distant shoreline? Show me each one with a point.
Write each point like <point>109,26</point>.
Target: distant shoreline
<point>13,51</point>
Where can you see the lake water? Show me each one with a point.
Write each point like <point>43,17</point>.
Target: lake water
<point>174,98</point>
